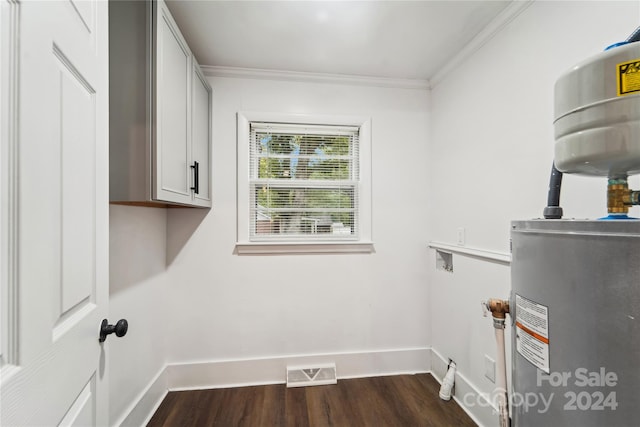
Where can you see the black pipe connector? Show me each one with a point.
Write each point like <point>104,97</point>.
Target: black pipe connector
<point>634,37</point>
<point>553,209</point>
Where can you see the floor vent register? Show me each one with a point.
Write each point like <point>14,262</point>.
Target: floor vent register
<point>311,375</point>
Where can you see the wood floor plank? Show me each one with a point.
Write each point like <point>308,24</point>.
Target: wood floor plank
<point>414,392</point>
<point>449,412</point>
<point>295,407</point>
<point>325,406</point>
<point>272,412</point>
<point>164,410</point>
<point>180,410</point>
<point>209,404</point>
<point>404,400</point>
<point>241,407</point>
<point>357,391</point>
<point>189,418</point>
<point>377,404</point>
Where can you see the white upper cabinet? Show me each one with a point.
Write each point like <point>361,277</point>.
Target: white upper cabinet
<point>172,138</point>
<point>200,136</point>
<point>160,143</point>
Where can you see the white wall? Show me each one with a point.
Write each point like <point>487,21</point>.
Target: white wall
<point>229,307</point>
<point>473,153</point>
<point>137,251</point>
<point>491,149</point>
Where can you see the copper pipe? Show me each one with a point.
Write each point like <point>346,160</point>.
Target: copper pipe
<point>620,197</point>
<point>498,308</point>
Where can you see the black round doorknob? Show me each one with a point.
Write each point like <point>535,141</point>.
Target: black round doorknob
<point>120,329</point>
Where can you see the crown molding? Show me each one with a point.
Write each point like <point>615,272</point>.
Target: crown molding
<point>515,8</point>
<point>306,77</point>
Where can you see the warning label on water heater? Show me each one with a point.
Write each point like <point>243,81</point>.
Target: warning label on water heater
<point>628,77</point>
<point>532,332</point>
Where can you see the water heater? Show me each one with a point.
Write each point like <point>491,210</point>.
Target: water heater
<point>575,301</point>
<point>597,115</point>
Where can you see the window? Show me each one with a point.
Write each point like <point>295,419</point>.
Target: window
<point>303,184</point>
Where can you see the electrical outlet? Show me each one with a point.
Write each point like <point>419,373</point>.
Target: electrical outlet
<point>490,368</point>
<point>461,236</point>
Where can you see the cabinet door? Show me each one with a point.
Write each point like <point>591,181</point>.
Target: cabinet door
<point>201,137</point>
<point>172,149</point>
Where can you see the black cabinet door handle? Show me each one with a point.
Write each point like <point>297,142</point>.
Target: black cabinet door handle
<point>196,177</point>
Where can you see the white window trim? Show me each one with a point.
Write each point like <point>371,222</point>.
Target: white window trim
<point>246,247</point>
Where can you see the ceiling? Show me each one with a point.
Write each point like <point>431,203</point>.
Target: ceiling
<point>390,39</point>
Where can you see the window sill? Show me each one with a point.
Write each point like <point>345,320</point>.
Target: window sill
<point>315,248</point>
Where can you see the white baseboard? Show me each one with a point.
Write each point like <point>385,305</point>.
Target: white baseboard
<point>141,411</point>
<point>467,395</point>
<point>272,370</point>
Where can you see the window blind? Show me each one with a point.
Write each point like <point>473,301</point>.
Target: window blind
<point>303,182</point>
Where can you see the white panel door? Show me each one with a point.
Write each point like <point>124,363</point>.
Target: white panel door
<point>55,369</point>
<point>201,137</point>
<point>172,171</point>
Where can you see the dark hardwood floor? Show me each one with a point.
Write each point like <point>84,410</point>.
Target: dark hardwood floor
<point>403,401</point>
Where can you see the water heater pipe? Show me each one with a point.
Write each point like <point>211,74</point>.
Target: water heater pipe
<point>634,37</point>
<point>620,197</point>
<point>499,309</point>
<point>553,209</point>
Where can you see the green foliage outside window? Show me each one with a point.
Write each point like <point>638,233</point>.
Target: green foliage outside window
<point>287,161</point>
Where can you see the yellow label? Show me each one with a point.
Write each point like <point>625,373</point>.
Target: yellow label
<point>628,77</point>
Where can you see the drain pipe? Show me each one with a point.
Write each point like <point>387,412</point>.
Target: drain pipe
<point>448,381</point>
<point>499,309</point>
